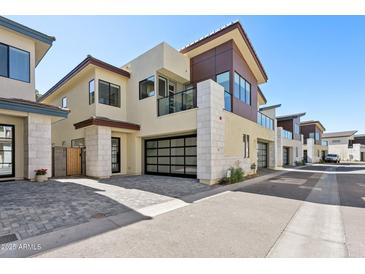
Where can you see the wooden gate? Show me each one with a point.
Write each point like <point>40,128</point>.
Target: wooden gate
<point>73,161</point>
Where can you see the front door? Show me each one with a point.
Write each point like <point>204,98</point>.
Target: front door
<point>305,156</point>
<point>262,155</point>
<point>286,156</point>
<point>7,161</point>
<point>115,155</point>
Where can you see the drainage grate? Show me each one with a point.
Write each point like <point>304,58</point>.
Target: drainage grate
<point>98,216</point>
<point>8,238</point>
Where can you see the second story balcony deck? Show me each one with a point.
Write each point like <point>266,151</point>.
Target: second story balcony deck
<point>177,102</point>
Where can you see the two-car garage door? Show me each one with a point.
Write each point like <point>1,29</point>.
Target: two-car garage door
<point>175,156</point>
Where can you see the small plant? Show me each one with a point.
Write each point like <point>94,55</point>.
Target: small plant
<point>41,171</point>
<point>234,175</point>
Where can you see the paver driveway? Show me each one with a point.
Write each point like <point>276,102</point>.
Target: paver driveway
<point>29,208</point>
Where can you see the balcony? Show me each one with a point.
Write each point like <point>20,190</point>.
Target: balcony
<point>177,102</point>
<point>287,134</point>
<point>265,121</point>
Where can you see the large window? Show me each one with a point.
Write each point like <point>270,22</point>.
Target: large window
<point>7,151</point>
<point>91,92</point>
<point>242,89</point>
<point>109,94</point>
<point>296,129</point>
<point>147,87</point>
<point>14,63</point>
<point>246,146</point>
<point>223,80</point>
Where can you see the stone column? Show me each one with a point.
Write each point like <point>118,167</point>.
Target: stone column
<point>310,150</point>
<point>37,145</point>
<point>98,151</point>
<point>279,144</point>
<point>210,131</point>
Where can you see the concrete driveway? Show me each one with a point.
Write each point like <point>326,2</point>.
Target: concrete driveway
<point>30,209</point>
<point>317,211</point>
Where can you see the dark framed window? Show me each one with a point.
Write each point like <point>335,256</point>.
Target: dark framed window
<point>224,80</point>
<point>246,146</point>
<point>91,91</point>
<point>147,87</point>
<point>109,94</point>
<point>14,63</point>
<point>78,142</point>
<point>64,102</point>
<point>7,151</point>
<point>242,89</point>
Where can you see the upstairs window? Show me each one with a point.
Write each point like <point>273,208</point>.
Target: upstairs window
<point>14,63</point>
<point>91,92</point>
<point>147,88</point>
<point>242,89</point>
<point>109,94</point>
<point>223,80</point>
<point>64,102</point>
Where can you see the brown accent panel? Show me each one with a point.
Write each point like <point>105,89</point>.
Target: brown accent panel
<point>99,121</point>
<point>236,25</point>
<point>289,126</point>
<point>307,129</point>
<point>73,161</point>
<point>359,140</point>
<point>226,57</point>
<point>242,68</point>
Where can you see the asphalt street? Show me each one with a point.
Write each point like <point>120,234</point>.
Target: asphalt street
<point>317,211</point>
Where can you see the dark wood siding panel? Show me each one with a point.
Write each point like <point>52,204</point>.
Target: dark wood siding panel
<point>226,57</point>
<point>240,65</point>
<point>359,140</point>
<point>286,124</point>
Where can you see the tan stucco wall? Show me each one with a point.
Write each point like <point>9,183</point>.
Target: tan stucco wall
<point>116,113</point>
<point>77,93</point>
<point>14,88</point>
<point>160,60</point>
<point>235,127</point>
<point>18,123</point>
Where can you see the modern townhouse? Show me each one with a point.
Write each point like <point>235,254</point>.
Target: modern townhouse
<point>192,112</point>
<point>25,125</point>
<point>346,144</point>
<point>360,139</point>
<point>314,148</point>
<point>289,140</point>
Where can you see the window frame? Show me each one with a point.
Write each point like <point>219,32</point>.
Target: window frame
<point>226,91</point>
<point>246,146</point>
<point>64,98</point>
<point>242,92</point>
<point>8,63</point>
<point>93,98</point>
<point>154,87</point>
<point>13,147</point>
<point>109,85</point>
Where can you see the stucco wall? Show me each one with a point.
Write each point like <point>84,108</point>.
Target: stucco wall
<point>10,88</point>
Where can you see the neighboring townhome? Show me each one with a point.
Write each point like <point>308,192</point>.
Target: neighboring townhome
<point>314,148</point>
<point>360,139</point>
<point>343,144</point>
<point>25,125</point>
<point>193,112</point>
<point>289,140</point>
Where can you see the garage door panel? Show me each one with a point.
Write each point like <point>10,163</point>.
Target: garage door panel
<point>174,156</point>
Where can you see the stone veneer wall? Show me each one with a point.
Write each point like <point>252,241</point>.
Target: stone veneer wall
<point>37,145</point>
<point>98,151</point>
<point>211,161</point>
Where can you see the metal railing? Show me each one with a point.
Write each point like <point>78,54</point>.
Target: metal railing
<point>177,102</point>
<point>287,134</point>
<point>265,121</point>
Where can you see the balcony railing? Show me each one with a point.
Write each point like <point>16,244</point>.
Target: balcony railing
<point>265,121</point>
<point>177,102</point>
<point>287,134</point>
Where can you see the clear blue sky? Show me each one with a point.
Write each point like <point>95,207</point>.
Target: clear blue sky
<point>315,64</point>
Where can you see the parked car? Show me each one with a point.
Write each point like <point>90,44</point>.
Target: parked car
<point>332,158</point>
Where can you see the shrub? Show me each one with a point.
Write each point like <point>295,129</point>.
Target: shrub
<point>237,175</point>
<point>41,171</point>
